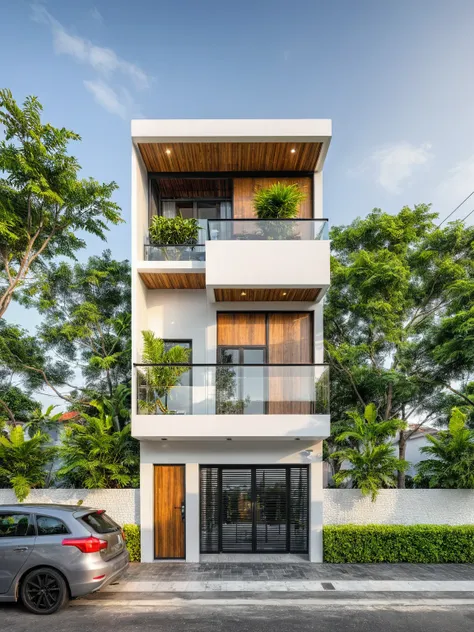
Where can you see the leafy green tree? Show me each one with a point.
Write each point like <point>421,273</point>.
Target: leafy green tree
<point>399,323</point>
<point>23,462</point>
<point>157,382</point>
<point>42,422</point>
<point>95,455</point>
<point>452,452</point>
<point>44,205</point>
<point>372,459</point>
<point>86,309</point>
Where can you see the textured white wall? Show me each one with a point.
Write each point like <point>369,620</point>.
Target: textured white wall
<point>121,504</point>
<point>404,506</point>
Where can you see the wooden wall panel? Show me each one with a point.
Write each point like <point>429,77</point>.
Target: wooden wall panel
<point>219,157</point>
<point>241,329</point>
<point>169,525</point>
<point>291,389</point>
<point>244,191</point>
<point>308,295</point>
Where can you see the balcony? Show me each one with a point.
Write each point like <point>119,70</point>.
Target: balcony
<point>267,260</point>
<point>232,401</point>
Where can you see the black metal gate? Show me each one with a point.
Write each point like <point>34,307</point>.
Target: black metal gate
<point>254,509</point>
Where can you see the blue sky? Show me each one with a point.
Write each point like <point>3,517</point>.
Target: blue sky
<point>395,76</point>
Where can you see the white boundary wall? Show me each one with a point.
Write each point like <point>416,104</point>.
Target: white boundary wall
<point>121,504</point>
<point>400,506</point>
<point>341,506</point>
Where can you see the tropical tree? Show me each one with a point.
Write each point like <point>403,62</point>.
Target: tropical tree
<point>44,205</point>
<point>158,380</point>
<point>95,455</point>
<point>23,462</point>
<point>372,459</point>
<point>452,452</point>
<point>86,309</point>
<point>43,422</point>
<point>399,318</point>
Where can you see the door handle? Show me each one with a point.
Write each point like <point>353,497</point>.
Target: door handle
<point>183,510</point>
<point>21,548</point>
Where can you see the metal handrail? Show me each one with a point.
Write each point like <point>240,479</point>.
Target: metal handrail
<point>203,364</point>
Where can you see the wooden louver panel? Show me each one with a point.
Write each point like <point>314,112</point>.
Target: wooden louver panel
<point>241,329</point>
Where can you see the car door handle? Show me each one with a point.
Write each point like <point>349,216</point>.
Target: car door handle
<point>21,548</point>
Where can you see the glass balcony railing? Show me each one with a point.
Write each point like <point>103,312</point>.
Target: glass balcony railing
<point>232,389</point>
<point>267,229</point>
<point>175,253</point>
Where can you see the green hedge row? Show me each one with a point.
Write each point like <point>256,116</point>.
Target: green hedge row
<point>425,544</point>
<point>132,540</point>
<point>373,543</point>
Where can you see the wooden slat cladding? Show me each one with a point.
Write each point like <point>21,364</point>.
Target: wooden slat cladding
<point>241,329</point>
<point>193,188</point>
<point>245,188</point>
<point>290,342</point>
<point>308,295</point>
<point>208,157</point>
<point>169,525</point>
<point>175,281</point>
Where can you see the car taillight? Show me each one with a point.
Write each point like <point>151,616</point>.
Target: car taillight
<point>86,545</point>
<point>123,535</point>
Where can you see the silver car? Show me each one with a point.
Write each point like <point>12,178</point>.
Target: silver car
<point>51,553</point>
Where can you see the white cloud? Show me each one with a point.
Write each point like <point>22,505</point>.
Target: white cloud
<point>96,15</point>
<point>103,60</point>
<point>457,185</point>
<point>106,97</point>
<point>395,164</point>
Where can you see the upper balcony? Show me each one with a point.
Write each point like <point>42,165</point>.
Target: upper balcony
<point>232,400</point>
<point>209,171</point>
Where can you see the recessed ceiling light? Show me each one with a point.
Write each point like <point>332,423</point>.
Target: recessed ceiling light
<point>293,151</point>
<point>284,293</point>
<point>243,294</point>
<point>168,151</point>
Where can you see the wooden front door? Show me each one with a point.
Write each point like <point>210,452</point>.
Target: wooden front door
<point>169,512</point>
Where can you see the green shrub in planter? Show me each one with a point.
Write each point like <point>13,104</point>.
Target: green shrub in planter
<point>174,231</point>
<point>132,540</point>
<point>416,544</point>
<point>278,201</point>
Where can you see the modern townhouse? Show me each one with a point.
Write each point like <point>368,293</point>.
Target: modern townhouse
<point>231,442</point>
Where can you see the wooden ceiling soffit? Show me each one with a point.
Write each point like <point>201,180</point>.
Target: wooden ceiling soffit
<point>217,157</point>
<point>174,281</point>
<point>273,294</point>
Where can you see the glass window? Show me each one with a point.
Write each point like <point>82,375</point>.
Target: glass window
<point>208,210</point>
<point>47,525</point>
<point>100,522</point>
<point>14,525</point>
<point>185,209</point>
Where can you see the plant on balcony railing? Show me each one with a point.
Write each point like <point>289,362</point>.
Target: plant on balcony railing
<point>276,202</point>
<point>173,231</point>
<point>158,381</point>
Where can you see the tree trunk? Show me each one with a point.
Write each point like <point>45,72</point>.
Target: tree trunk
<point>402,448</point>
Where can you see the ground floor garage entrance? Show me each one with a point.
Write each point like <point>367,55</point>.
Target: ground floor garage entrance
<point>254,509</point>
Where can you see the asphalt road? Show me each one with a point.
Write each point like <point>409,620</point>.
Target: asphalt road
<point>96,617</point>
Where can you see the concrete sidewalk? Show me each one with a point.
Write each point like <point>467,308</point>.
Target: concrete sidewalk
<point>276,578</point>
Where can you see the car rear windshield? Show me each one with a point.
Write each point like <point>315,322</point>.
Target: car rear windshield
<point>100,522</point>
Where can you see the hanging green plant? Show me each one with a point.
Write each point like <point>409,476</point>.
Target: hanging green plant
<point>278,201</point>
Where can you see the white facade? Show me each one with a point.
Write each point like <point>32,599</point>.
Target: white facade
<point>204,437</point>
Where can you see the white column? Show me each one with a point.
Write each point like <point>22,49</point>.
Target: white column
<point>192,512</point>
<point>316,505</point>
<point>146,512</point>
<point>318,194</point>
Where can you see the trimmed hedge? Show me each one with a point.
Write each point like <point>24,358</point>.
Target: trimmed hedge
<point>132,540</point>
<point>425,544</point>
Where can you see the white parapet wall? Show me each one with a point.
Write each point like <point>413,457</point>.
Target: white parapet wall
<point>400,506</point>
<point>123,505</point>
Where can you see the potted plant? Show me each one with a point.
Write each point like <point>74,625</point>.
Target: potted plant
<point>173,231</point>
<point>158,381</point>
<point>276,202</point>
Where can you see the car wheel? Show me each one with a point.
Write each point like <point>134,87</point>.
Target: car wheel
<point>44,591</point>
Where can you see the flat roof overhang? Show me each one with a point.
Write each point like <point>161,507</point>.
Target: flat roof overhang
<point>228,146</point>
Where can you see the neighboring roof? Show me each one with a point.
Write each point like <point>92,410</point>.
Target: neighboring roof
<point>73,414</point>
<point>422,430</point>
